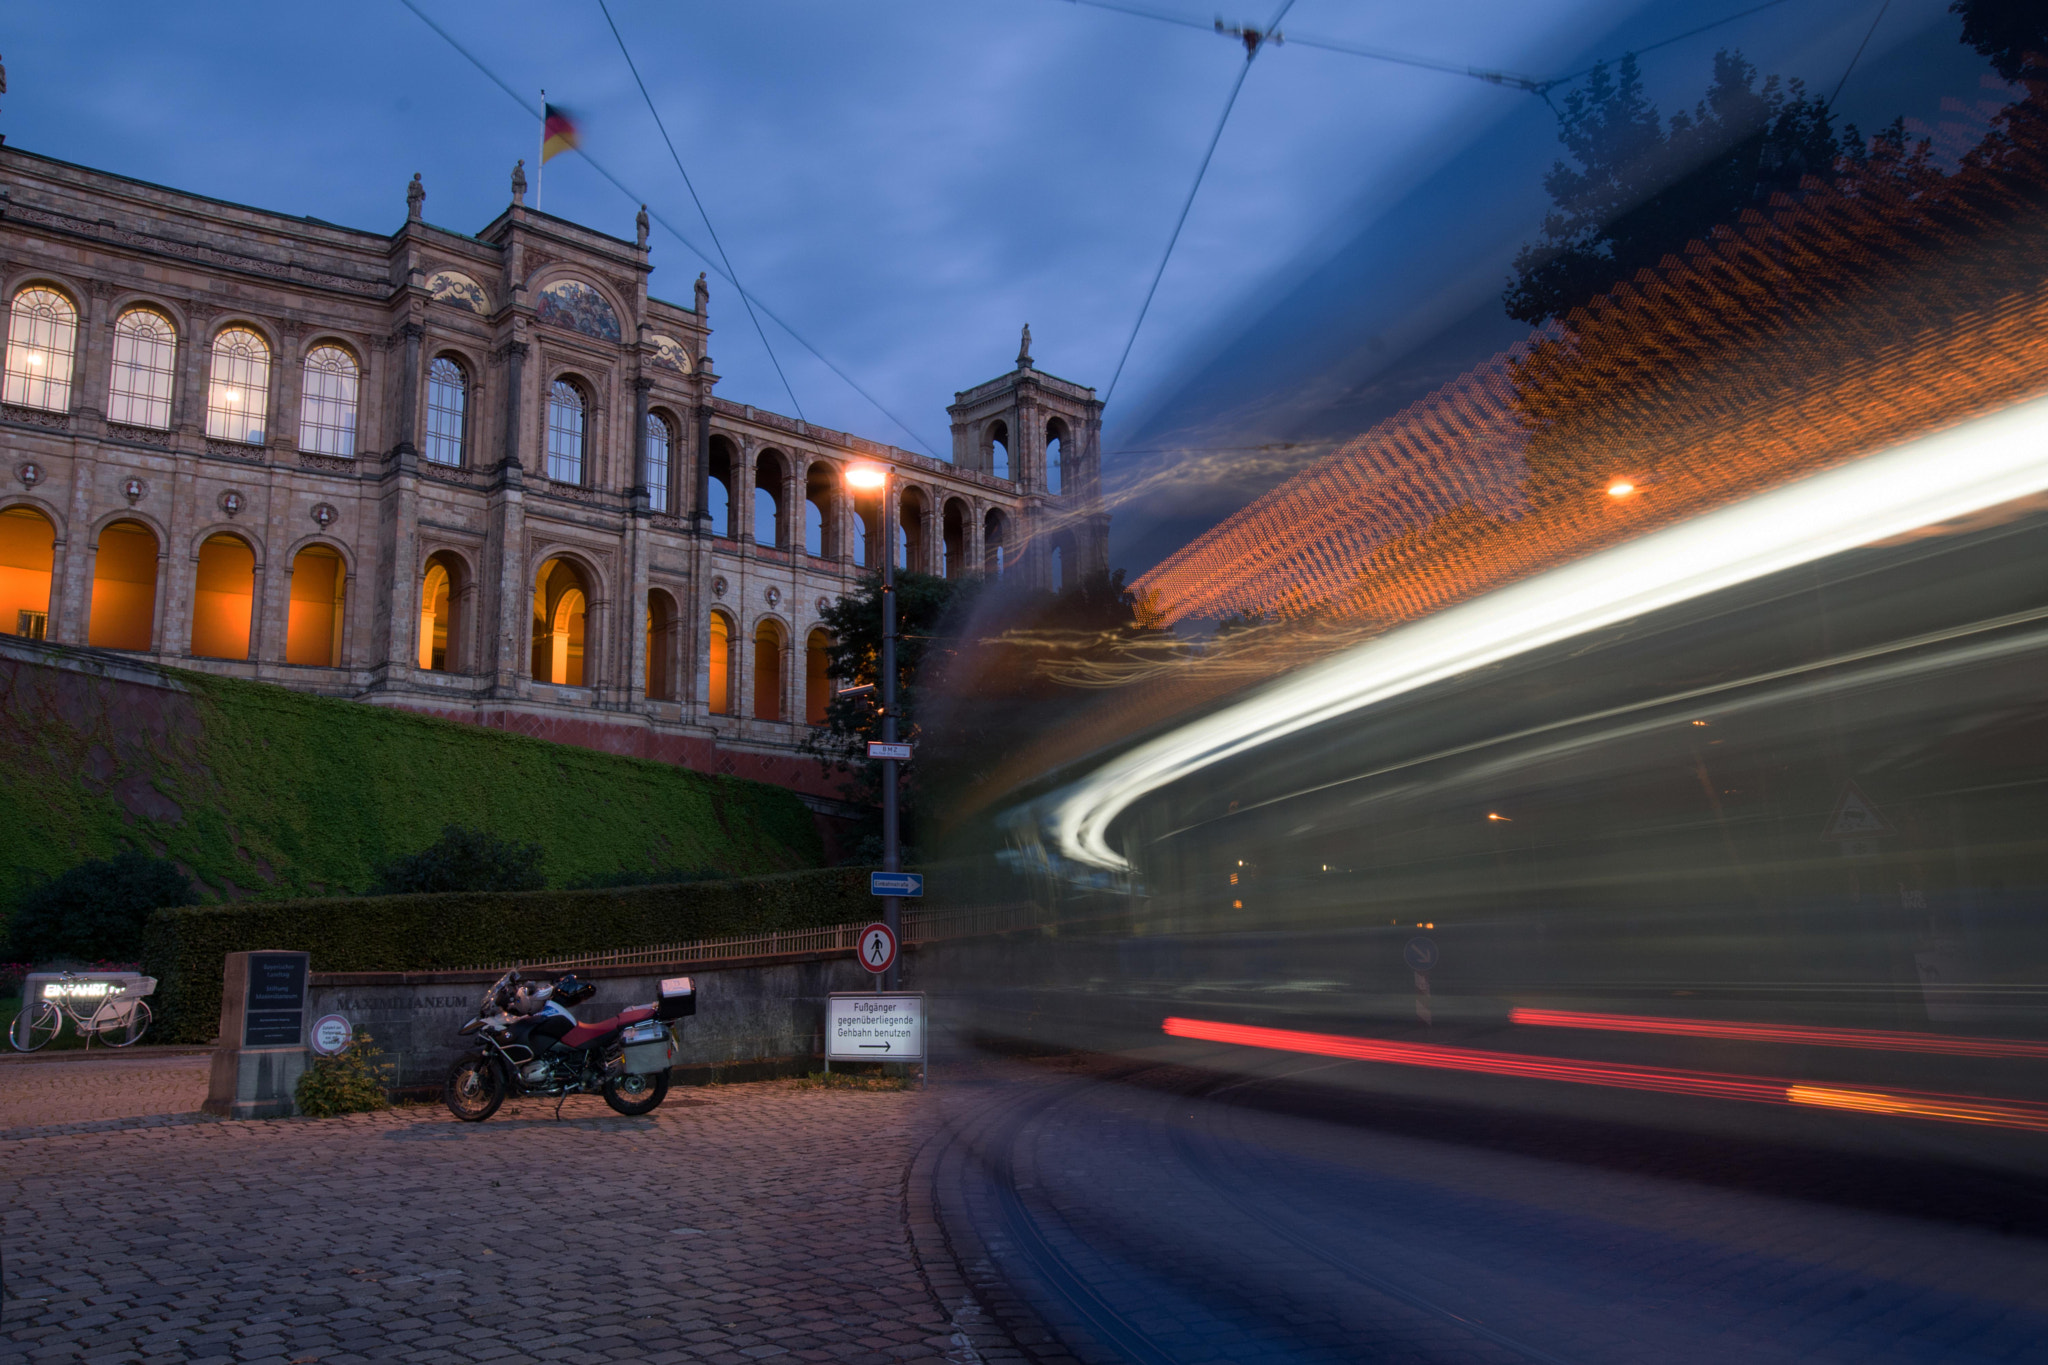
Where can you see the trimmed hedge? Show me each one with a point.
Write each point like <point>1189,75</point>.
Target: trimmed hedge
<point>188,947</point>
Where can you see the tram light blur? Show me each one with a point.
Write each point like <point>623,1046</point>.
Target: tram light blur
<point>1620,488</point>
<point>1495,815</point>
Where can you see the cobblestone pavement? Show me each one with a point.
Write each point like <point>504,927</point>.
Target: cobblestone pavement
<point>1105,1211</point>
<point>45,1090</point>
<point>733,1225</point>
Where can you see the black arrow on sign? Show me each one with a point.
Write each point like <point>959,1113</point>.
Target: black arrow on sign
<point>883,1046</point>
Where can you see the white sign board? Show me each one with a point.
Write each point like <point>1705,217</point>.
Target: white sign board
<point>875,1026</point>
<point>332,1033</point>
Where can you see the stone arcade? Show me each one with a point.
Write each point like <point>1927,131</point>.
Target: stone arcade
<point>481,476</point>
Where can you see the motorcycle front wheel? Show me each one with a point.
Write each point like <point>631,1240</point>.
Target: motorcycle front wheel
<point>474,1090</point>
<point>636,1095</point>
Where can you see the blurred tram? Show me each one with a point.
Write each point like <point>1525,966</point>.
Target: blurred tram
<point>1767,851</point>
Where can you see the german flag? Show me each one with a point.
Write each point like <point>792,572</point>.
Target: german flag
<point>558,133</point>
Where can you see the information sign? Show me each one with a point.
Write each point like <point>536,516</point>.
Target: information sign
<point>1420,953</point>
<point>331,1035</point>
<point>274,1014</point>
<point>896,883</point>
<point>875,1027</point>
<point>876,948</point>
<point>888,749</point>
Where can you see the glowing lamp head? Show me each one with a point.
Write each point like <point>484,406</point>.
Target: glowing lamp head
<point>866,476</point>
<point>1620,488</point>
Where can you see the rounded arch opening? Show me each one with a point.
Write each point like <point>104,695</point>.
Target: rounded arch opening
<point>718,666</point>
<point>223,597</point>
<point>42,348</point>
<point>953,539</point>
<point>998,449</point>
<point>770,646</point>
<point>145,364</point>
<point>912,550</point>
<point>817,676</point>
<point>995,535</point>
<point>28,558</point>
<point>561,603</point>
<point>312,627</point>
<point>124,567</point>
<point>770,524</point>
<point>718,486</point>
<point>661,645</point>
<point>447,410</point>
<point>568,419</point>
<point>821,494</point>
<point>444,584</point>
<point>1055,454</point>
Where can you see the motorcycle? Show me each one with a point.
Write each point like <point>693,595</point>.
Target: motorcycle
<point>530,1043</point>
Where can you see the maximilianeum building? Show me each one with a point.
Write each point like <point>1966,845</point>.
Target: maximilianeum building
<point>485,476</point>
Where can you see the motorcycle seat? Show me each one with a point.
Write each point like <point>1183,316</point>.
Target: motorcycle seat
<point>583,1035</point>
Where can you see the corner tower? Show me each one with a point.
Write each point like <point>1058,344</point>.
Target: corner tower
<point>1044,434</point>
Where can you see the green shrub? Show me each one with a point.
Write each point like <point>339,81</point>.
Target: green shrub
<point>187,947</point>
<point>97,909</point>
<point>463,860</point>
<point>351,1082</point>
<point>660,876</point>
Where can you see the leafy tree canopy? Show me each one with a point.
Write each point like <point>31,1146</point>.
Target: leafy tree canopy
<point>2012,33</point>
<point>463,860</point>
<point>1639,187</point>
<point>96,910</point>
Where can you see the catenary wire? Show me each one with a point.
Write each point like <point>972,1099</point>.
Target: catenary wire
<point>674,231</point>
<point>1251,51</point>
<point>676,157</point>
<point>1859,53</point>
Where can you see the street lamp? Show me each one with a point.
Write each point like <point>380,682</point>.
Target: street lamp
<point>875,478</point>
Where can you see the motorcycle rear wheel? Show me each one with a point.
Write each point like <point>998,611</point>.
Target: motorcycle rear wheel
<point>636,1095</point>
<point>474,1090</point>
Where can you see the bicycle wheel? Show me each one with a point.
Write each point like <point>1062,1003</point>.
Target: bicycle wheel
<point>36,1025</point>
<point>115,1031</point>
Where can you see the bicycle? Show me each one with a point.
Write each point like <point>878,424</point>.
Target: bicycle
<point>119,1017</point>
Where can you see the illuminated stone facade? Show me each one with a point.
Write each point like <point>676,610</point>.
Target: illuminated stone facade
<point>481,476</point>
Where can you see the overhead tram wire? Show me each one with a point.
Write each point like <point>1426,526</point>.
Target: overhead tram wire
<point>675,232</point>
<point>1252,42</point>
<point>1859,53</point>
<point>676,157</point>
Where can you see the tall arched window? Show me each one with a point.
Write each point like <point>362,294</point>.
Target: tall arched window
<point>312,626</point>
<point>42,339</point>
<point>238,398</point>
<point>327,404</point>
<point>223,598</point>
<point>123,588</point>
<point>28,554</point>
<point>768,670</point>
<point>440,643</point>
<point>718,666</point>
<point>661,625</point>
<point>145,362</point>
<point>660,441</point>
<point>817,676</point>
<point>560,603</point>
<point>447,406</point>
<point>1055,450</point>
<point>565,432</point>
<point>999,449</point>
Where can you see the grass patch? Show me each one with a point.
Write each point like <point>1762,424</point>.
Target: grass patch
<point>858,1080</point>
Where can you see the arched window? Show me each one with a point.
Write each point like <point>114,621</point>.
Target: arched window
<point>660,441</point>
<point>661,625</point>
<point>995,529</point>
<point>768,670</point>
<point>817,676</point>
<point>820,484</point>
<point>560,602</point>
<point>440,645</point>
<point>42,339</point>
<point>565,432</point>
<point>28,554</point>
<point>1055,450</point>
<point>447,409</point>
<point>123,588</point>
<point>911,511</point>
<point>223,598</point>
<point>145,363</point>
<point>312,627</point>
<point>238,398</point>
<point>999,450</point>
<point>327,404</point>
<point>1059,570</point>
<point>768,485</point>
<point>953,540</point>
<point>867,538</point>
<point>718,488</point>
<point>718,666</point>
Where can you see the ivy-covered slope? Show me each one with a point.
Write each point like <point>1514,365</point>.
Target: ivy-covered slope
<point>263,792</point>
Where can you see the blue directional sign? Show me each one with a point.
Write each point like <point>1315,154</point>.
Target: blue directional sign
<point>1420,953</point>
<point>896,883</point>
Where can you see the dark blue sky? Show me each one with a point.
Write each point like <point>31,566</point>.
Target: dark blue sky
<point>907,181</point>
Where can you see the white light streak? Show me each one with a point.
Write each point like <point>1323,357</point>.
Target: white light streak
<point>1933,479</point>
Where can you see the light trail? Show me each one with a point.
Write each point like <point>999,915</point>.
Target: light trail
<point>1876,1040</point>
<point>1935,478</point>
<point>1624,1076</point>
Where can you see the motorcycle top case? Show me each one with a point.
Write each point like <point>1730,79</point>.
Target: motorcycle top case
<point>678,998</point>
<point>648,1048</point>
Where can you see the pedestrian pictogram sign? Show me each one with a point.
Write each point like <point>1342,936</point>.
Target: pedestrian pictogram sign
<point>876,948</point>
<point>1856,818</point>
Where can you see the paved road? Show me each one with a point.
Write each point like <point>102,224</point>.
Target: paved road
<point>734,1225</point>
<point>1124,1212</point>
<point>47,1091</point>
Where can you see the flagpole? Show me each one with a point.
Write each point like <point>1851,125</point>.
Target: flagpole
<point>540,175</point>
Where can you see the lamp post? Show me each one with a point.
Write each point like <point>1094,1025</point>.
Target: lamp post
<point>876,477</point>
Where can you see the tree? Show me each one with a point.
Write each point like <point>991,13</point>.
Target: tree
<point>2012,33</point>
<point>463,860</point>
<point>1640,188</point>
<point>97,910</point>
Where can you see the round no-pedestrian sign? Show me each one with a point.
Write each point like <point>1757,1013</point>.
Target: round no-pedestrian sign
<point>876,948</point>
<point>331,1034</point>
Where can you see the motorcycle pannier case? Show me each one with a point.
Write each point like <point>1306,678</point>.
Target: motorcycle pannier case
<point>678,998</point>
<point>648,1048</point>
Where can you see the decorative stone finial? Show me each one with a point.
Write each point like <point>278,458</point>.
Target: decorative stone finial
<point>1024,350</point>
<point>415,197</point>
<point>519,182</point>
<point>703,293</point>
<point>640,226</point>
